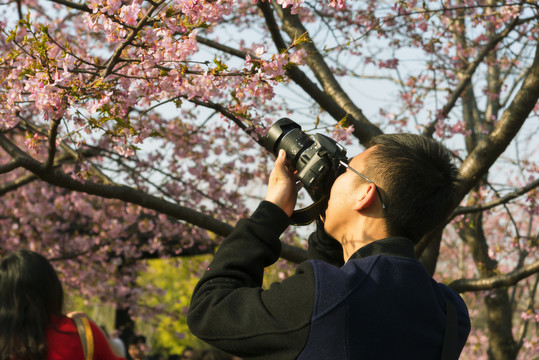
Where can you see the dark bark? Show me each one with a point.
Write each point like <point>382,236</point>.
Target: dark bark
<point>488,150</point>
<point>429,250</point>
<point>502,344</point>
<point>504,280</point>
<point>332,98</point>
<point>130,195</point>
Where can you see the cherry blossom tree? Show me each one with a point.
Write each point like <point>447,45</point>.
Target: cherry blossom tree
<point>130,130</point>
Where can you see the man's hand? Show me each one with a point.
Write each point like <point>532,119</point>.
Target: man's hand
<point>282,185</point>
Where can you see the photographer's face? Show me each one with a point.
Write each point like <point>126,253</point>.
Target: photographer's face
<point>343,196</point>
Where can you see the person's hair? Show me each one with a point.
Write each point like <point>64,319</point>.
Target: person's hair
<point>417,180</point>
<point>30,294</point>
<point>136,339</point>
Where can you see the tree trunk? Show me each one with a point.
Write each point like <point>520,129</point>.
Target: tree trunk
<point>428,255</point>
<point>502,345</point>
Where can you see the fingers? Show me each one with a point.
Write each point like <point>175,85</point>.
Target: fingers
<point>282,185</point>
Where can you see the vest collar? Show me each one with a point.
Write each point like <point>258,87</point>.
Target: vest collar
<point>393,246</point>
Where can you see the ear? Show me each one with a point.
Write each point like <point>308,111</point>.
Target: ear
<point>366,196</point>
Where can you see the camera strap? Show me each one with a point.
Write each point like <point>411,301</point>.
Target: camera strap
<point>307,215</point>
<point>449,348</point>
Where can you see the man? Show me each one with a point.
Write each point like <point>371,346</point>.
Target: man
<point>381,304</point>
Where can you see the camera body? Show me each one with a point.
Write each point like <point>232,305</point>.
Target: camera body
<point>317,161</point>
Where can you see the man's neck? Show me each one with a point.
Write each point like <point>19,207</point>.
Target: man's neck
<point>365,231</point>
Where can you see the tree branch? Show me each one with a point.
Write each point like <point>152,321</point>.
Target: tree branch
<point>17,183</point>
<point>10,166</point>
<point>501,201</point>
<point>224,111</point>
<point>294,73</point>
<point>222,47</point>
<point>467,75</point>
<point>463,285</point>
<point>130,195</point>
<point>53,132</point>
<point>75,155</point>
<point>531,308</point>
<point>120,192</point>
<point>118,52</point>
<point>479,161</point>
<point>73,5</point>
<point>333,99</point>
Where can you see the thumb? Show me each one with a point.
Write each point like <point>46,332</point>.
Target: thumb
<point>280,161</point>
<point>281,168</point>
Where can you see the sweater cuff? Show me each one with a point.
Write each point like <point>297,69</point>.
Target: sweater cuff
<point>267,210</point>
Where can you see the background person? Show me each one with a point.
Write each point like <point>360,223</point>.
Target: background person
<point>187,354</point>
<point>379,302</point>
<point>33,325</point>
<point>117,344</point>
<point>136,347</point>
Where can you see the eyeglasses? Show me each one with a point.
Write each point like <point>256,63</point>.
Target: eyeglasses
<point>366,178</point>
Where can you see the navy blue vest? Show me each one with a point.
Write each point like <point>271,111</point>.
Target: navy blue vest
<point>379,307</point>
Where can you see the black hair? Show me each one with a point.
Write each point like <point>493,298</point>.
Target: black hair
<point>417,180</point>
<point>135,339</point>
<point>31,294</point>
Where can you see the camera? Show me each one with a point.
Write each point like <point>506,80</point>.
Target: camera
<point>316,160</point>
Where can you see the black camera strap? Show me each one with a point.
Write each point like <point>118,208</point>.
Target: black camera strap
<point>307,215</point>
<point>449,348</point>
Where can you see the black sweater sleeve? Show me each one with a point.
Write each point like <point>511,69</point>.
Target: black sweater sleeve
<point>231,311</point>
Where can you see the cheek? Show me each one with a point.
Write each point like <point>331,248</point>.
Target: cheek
<point>334,211</point>
<point>332,196</point>
<point>337,184</point>
<point>335,197</point>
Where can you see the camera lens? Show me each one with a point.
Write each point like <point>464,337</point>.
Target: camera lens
<point>294,143</point>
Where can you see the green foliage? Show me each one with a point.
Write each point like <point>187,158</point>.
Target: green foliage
<point>221,66</point>
<point>103,315</point>
<point>173,281</point>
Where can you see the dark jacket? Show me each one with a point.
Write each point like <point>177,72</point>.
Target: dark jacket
<point>381,304</point>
